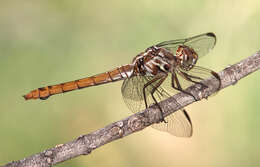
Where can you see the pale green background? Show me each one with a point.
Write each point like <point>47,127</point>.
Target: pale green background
<point>51,41</point>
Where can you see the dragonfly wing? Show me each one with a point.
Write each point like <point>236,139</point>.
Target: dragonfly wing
<point>201,44</point>
<point>196,74</point>
<point>132,92</point>
<point>178,123</point>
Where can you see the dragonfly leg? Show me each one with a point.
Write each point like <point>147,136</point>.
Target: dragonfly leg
<point>145,86</point>
<point>161,79</point>
<point>152,94</point>
<point>178,86</point>
<point>189,78</point>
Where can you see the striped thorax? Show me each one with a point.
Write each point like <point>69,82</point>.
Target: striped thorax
<point>155,60</point>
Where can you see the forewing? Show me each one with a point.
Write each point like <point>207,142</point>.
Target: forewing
<point>201,44</point>
<point>178,123</point>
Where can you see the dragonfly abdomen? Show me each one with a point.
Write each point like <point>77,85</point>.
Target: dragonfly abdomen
<point>117,74</point>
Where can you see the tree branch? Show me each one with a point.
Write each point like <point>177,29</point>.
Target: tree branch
<point>85,144</point>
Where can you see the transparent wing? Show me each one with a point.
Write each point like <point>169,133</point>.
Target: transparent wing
<point>196,74</point>
<point>132,92</point>
<point>201,44</point>
<point>178,123</point>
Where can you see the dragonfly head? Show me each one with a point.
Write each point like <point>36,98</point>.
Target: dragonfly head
<point>187,57</point>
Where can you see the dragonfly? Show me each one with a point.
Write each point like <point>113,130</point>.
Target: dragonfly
<point>159,72</point>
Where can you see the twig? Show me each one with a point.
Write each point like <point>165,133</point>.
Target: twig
<point>85,144</point>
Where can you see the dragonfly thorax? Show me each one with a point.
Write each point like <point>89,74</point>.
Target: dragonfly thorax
<point>153,61</point>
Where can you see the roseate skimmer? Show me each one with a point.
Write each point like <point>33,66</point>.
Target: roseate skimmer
<point>155,74</point>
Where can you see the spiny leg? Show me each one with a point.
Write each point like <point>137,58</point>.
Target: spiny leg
<point>148,84</point>
<point>178,87</point>
<point>189,78</point>
<point>152,94</point>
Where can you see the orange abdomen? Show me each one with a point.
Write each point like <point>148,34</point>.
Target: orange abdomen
<point>110,76</point>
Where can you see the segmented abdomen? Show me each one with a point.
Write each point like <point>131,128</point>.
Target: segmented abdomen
<point>110,76</point>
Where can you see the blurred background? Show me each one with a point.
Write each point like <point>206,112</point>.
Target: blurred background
<point>46,42</point>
